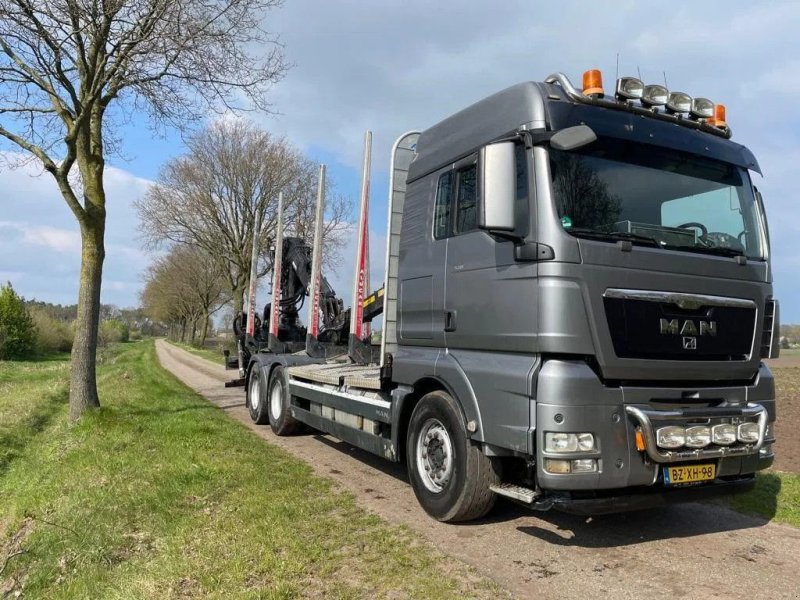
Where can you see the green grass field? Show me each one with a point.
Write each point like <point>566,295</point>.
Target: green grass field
<point>159,494</point>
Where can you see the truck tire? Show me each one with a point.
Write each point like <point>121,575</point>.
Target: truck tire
<point>450,476</point>
<point>257,395</point>
<point>280,418</point>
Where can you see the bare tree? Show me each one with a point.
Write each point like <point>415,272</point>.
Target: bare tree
<point>184,288</point>
<point>68,67</point>
<point>211,196</point>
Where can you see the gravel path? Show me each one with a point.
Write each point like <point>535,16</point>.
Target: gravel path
<point>686,551</point>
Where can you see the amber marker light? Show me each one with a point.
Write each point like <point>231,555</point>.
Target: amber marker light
<point>592,83</point>
<point>640,441</point>
<point>718,120</point>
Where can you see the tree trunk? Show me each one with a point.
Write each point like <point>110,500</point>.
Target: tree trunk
<point>238,300</point>
<point>183,330</point>
<point>204,330</point>
<point>83,380</point>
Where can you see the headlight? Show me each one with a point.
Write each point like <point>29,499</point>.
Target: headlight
<point>568,442</point>
<point>698,436</point>
<point>702,108</point>
<point>748,433</point>
<point>655,95</point>
<point>671,437</point>
<point>629,88</point>
<point>678,102</point>
<point>564,467</point>
<point>724,434</point>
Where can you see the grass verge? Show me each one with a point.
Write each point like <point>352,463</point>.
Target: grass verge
<point>776,497</point>
<point>214,355</point>
<point>159,494</point>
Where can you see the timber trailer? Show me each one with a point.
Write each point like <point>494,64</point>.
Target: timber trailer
<point>576,307</point>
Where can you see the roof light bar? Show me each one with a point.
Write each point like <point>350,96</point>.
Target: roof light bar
<point>680,108</point>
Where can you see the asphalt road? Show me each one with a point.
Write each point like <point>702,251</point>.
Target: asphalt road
<point>687,551</point>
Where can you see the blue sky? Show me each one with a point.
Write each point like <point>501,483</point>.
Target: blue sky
<point>391,66</point>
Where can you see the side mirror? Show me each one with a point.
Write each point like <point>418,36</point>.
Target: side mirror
<point>573,138</point>
<point>498,186</point>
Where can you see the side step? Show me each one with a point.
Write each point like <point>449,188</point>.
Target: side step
<point>523,495</point>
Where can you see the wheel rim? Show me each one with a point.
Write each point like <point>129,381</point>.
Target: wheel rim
<point>276,400</point>
<point>434,456</point>
<point>255,391</point>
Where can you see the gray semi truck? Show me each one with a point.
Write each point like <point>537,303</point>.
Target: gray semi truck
<point>577,305</point>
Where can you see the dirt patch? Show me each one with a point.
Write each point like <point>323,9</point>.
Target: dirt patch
<point>787,384</point>
<point>691,550</point>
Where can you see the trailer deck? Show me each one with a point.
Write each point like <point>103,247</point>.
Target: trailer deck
<point>340,374</point>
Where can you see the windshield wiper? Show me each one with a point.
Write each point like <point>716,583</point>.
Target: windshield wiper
<point>709,250</point>
<point>614,235</point>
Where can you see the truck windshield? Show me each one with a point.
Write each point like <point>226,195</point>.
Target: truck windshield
<point>611,190</point>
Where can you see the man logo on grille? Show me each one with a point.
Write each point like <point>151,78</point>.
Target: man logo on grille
<point>690,343</point>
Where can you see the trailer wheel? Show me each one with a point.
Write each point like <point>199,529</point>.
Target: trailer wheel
<point>280,418</point>
<point>257,395</point>
<point>451,477</point>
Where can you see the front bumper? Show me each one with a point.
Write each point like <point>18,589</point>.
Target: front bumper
<point>616,501</point>
<point>571,398</point>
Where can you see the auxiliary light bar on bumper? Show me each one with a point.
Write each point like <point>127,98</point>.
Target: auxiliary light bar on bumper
<point>646,417</point>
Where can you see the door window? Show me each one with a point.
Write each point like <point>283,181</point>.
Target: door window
<point>441,211</point>
<point>467,205</point>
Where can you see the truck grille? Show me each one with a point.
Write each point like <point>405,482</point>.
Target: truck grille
<point>676,326</point>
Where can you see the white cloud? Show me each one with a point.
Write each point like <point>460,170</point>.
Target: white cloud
<point>59,240</point>
<point>40,239</point>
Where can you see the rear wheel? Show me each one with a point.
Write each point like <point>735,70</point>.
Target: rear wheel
<point>280,418</point>
<point>257,395</point>
<point>451,477</point>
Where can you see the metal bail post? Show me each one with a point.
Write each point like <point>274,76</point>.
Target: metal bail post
<point>359,347</point>
<point>274,343</point>
<point>248,343</point>
<point>313,346</point>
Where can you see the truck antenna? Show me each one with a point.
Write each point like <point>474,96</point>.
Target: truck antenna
<point>617,74</point>
<point>665,80</point>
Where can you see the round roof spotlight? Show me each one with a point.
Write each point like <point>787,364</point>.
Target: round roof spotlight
<point>702,108</point>
<point>655,95</point>
<point>629,88</point>
<point>678,102</point>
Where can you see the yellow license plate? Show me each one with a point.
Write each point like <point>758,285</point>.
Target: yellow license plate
<point>689,474</point>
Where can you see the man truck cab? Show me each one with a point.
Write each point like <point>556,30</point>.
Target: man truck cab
<point>578,301</point>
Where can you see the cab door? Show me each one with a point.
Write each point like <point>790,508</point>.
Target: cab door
<point>490,298</point>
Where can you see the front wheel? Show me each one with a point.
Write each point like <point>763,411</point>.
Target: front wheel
<point>450,476</point>
<point>256,395</point>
